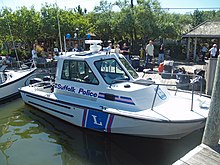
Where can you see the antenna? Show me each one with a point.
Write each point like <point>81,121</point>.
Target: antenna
<point>13,44</point>
<point>9,27</point>
<point>58,22</point>
<point>64,41</point>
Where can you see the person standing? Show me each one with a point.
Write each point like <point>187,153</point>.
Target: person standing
<point>149,52</point>
<point>76,48</point>
<point>109,48</point>
<point>204,51</point>
<point>43,50</point>
<point>8,60</point>
<point>213,51</point>
<point>161,54</point>
<point>117,49</point>
<point>34,56</point>
<point>125,51</point>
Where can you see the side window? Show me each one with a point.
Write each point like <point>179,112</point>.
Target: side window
<point>111,71</point>
<point>65,72</point>
<point>74,75</point>
<point>78,71</point>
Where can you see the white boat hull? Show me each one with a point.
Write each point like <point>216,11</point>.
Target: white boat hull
<point>10,88</point>
<point>101,91</point>
<point>106,121</point>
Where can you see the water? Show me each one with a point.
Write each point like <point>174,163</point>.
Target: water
<point>31,137</point>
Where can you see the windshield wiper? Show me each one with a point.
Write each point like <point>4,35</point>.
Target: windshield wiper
<point>144,82</point>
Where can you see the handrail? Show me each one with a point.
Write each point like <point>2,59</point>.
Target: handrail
<point>156,92</point>
<point>180,85</point>
<point>155,97</point>
<point>38,74</point>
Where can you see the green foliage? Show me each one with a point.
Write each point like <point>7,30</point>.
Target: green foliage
<point>146,20</point>
<point>199,17</point>
<point>79,10</point>
<point>48,22</point>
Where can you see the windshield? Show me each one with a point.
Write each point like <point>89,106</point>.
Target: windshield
<point>111,71</point>
<point>130,69</point>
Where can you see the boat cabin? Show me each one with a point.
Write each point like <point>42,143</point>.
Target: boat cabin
<point>101,76</point>
<point>96,69</point>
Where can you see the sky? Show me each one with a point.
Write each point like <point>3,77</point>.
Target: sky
<point>90,4</point>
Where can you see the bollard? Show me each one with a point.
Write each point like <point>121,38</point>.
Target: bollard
<point>212,129</point>
<point>210,73</point>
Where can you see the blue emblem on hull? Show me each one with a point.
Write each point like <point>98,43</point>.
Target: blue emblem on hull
<point>96,120</point>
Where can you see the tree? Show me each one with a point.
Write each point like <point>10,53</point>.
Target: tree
<point>102,19</point>
<point>29,24</point>
<point>141,22</point>
<point>197,18</point>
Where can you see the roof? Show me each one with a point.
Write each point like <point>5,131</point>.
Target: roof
<point>208,29</point>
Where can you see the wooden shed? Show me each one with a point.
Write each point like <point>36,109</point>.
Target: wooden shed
<point>208,29</point>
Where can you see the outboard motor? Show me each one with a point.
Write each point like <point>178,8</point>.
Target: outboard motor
<point>35,80</point>
<point>46,78</point>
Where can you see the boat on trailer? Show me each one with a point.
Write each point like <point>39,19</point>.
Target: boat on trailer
<point>101,91</point>
<point>12,79</point>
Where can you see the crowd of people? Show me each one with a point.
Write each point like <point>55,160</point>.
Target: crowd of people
<point>149,49</point>
<point>40,51</point>
<point>150,52</point>
<point>212,52</point>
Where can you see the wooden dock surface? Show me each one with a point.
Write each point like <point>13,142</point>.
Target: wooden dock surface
<point>201,155</point>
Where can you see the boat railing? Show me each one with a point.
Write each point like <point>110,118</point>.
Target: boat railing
<point>196,81</point>
<point>41,75</point>
<point>191,87</point>
<point>21,65</point>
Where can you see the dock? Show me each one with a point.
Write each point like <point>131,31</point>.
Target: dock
<point>154,75</point>
<point>201,155</point>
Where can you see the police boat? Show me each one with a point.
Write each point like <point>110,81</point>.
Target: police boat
<point>101,91</point>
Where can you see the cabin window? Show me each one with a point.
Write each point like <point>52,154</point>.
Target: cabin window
<point>111,71</point>
<point>78,71</point>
